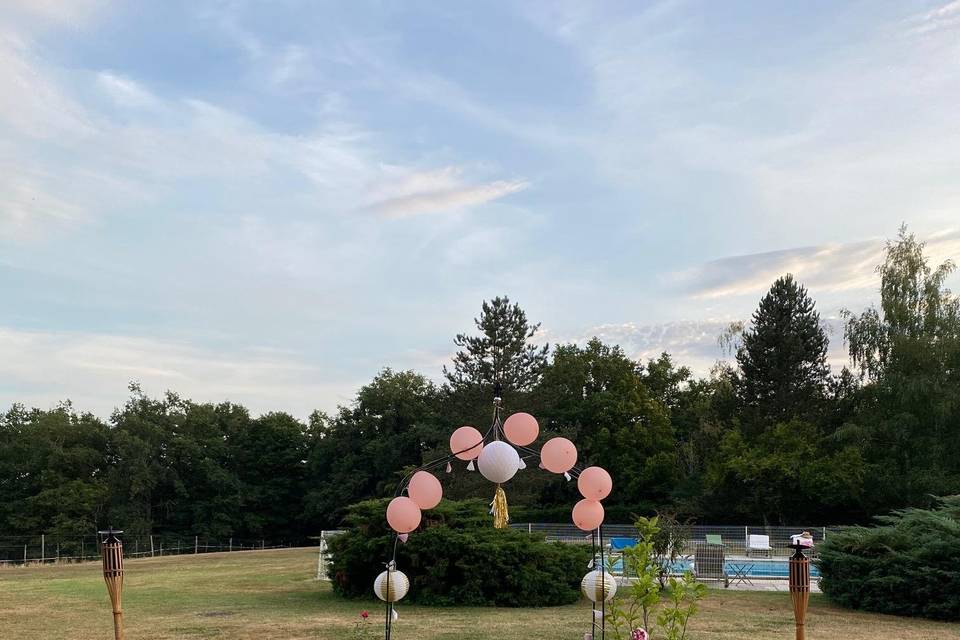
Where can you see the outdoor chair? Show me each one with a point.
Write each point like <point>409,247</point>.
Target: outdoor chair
<point>619,544</point>
<point>709,562</point>
<point>758,543</point>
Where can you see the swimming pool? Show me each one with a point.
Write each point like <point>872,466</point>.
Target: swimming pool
<point>752,567</point>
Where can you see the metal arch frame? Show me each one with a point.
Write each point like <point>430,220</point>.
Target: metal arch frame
<point>496,428</point>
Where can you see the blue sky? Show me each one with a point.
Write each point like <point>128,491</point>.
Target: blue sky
<point>268,202</point>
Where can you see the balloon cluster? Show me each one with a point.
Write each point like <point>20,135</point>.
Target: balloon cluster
<point>499,461</point>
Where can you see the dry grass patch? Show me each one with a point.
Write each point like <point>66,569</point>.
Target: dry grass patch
<point>271,595</point>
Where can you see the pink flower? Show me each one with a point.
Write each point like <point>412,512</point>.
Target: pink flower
<point>364,615</point>
<point>639,634</point>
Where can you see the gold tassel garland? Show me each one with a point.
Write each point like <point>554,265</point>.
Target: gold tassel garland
<point>500,514</point>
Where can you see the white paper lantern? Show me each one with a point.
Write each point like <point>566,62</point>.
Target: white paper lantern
<point>498,462</point>
<point>598,585</point>
<point>397,582</point>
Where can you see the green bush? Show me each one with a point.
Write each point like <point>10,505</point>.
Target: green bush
<point>907,565</point>
<point>456,557</point>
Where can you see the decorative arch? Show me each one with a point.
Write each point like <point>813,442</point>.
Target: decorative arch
<point>498,455</point>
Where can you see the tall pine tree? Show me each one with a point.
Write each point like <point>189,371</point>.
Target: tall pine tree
<point>783,358</point>
<point>502,354</point>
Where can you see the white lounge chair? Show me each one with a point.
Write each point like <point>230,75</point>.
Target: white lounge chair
<point>758,543</point>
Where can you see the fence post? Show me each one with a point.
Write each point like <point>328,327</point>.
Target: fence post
<point>196,544</point>
<point>43,548</point>
<point>529,528</point>
<point>151,545</point>
<point>24,554</point>
<point>231,544</point>
<point>262,545</point>
<point>81,550</point>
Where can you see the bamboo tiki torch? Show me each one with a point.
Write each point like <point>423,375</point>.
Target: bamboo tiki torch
<point>112,552</point>
<point>800,587</point>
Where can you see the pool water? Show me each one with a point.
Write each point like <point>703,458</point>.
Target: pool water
<point>754,567</point>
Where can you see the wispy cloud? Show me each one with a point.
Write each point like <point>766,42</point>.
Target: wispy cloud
<point>945,16</point>
<point>824,268</point>
<point>426,194</point>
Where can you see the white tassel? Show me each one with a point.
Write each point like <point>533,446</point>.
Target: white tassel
<point>470,466</point>
<point>598,614</point>
<point>566,475</point>
<point>449,468</point>
<point>523,465</point>
<point>590,565</point>
<point>396,616</point>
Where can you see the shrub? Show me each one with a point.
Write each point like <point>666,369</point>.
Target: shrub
<point>457,558</point>
<point>909,564</point>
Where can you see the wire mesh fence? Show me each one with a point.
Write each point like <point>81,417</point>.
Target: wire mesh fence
<point>736,540</point>
<point>47,548</point>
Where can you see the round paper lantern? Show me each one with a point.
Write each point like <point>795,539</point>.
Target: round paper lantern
<point>498,462</point>
<point>558,455</point>
<point>403,515</point>
<point>391,585</point>
<point>587,514</point>
<point>598,585</point>
<point>594,483</point>
<point>425,490</point>
<point>466,443</point>
<point>521,429</point>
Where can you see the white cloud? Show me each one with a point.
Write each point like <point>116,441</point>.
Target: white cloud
<point>93,370</point>
<point>823,269</point>
<point>124,91</point>
<point>56,11</point>
<point>419,196</point>
<point>159,143</point>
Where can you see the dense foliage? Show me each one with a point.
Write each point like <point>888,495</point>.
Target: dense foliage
<point>771,438</point>
<point>909,564</point>
<point>457,558</point>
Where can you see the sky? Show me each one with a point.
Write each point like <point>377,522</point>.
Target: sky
<point>270,202</point>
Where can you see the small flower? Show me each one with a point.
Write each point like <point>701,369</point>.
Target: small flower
<point>639,634</point>
<point>364,615</point>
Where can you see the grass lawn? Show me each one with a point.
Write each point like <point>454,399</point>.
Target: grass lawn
<point>271,595</point>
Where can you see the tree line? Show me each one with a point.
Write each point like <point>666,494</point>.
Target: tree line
<point>772,437</point>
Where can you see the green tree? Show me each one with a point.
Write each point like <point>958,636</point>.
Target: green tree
<point>908,351</point>
<point>502,354</point>
<point>52,467</point>
<point>782,358</point>
<point>270,460</point>
<point>596,396</point>
<point>364,450</point>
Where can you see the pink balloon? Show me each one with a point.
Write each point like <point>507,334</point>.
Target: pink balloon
<point>521,429</point>
<point>466,443</point>
<point>403,515</point>
<point>425,490</point>
<point>587,514</point>
<point>558,455</point>
<point>595,483</point>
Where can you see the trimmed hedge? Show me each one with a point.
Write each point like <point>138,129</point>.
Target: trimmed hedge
<point>456,557</point>
<point>908,565</point>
